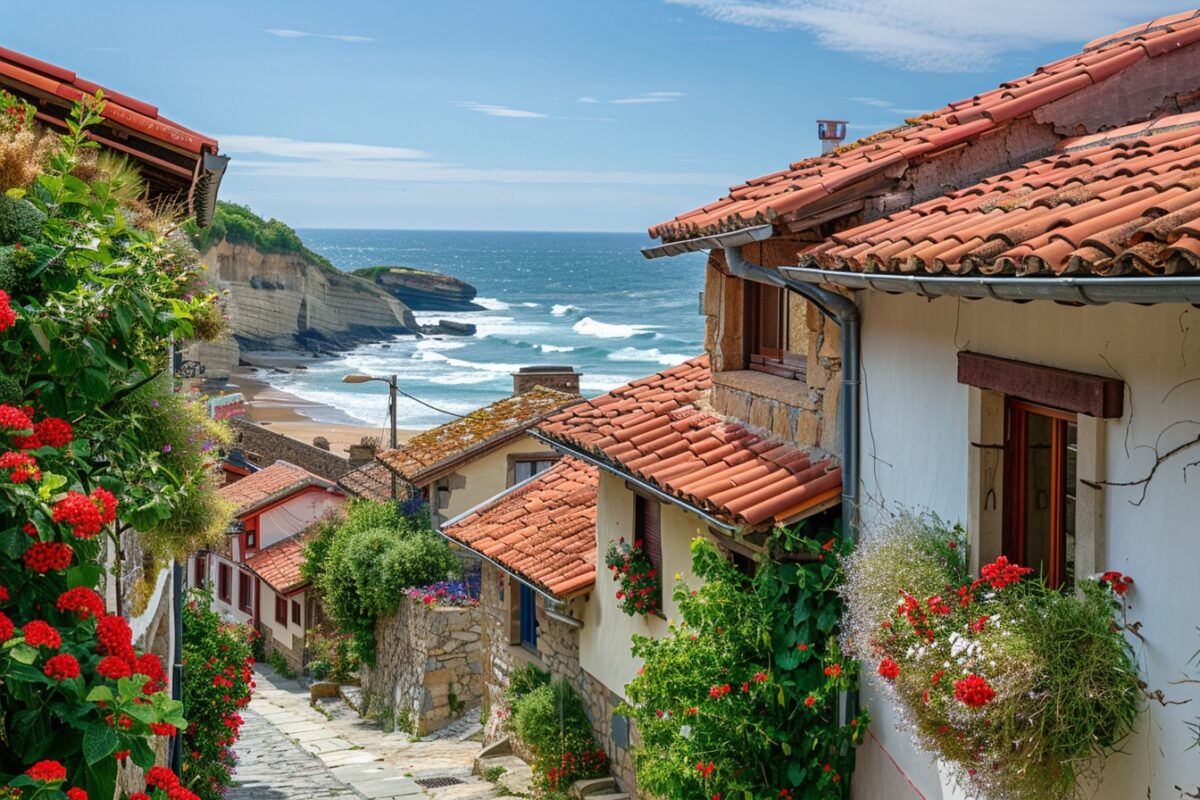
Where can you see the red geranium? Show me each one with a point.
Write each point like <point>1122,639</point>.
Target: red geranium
<point>8,317</point>
<point>39,633</point>
<point>24,467</point>
<point>80,512</point>
<point>1001,573</point>
<point>114,668</point>
<point>1118,582</point>
<point>54,432</point>
<point>889,669</point>
<point>83,601</point>
<point>47,771</point>
<point>43,557</point>
<point>974,691</point>
<point>6,627</point>
<point>115,636</point>
<point>75,793</point>
<point>62,667</point>
<point>14,419</point>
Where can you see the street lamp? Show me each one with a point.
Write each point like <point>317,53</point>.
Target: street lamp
<point>391,382</point>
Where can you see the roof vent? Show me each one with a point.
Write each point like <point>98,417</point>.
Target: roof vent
<point>564,379</point>
<point>831,132</point>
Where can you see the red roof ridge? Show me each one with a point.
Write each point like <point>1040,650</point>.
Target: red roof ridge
<point>280,563</point>
<point>272,482</point>
<point>1141,29</point>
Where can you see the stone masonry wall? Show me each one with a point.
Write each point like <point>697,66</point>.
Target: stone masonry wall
<point>265,447</point>
<point>427,667</point>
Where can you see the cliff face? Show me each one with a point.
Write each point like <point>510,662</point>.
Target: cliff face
<point>287,301</point>
<point>421,290</point>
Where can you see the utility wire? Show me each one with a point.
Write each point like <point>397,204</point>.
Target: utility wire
<point>429,405</point>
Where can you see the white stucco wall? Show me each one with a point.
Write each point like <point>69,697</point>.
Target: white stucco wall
<point>914,454</point>
<point>605,640</point>
<point>295,515</point>
<point>487,476</point>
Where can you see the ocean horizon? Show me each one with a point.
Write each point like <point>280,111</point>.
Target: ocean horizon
<point>586,300</point>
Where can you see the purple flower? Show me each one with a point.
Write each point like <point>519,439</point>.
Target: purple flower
<point>166,448</point>
<point>155,404</point>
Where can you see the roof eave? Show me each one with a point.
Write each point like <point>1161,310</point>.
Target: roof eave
<point>743,236</point>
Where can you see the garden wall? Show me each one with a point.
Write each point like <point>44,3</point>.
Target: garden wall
<point>427,667</point>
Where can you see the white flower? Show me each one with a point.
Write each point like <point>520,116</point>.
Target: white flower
<point>685,731</point>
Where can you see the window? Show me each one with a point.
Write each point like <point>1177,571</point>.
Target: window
<point>201,576</point>
<point>527,599</point>
<point>647,529</point>
<point>1041,456</point>
<point>524,469</point>
<point>776,331</point>
<point>295,613</point>
<point>224,579</point>
<point>252,534</point>
<point>245,592</point>
<point>281,610</point>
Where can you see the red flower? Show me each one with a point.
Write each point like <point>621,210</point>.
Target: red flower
<point>14,419</point>
<point>139,796</point>
<point>889,669</point>
<point>161,777</point>
<point>834,671</point>
<point>163,729</point>
<point>810,701</point>
<point>705,769</point>
<point>1001,573</point>
<point>8,317</point>
<point>83,601</point>
<point>6,627</point>
<point>1117,582</point>
<point>114,668</point>
<point>115,636</point>
<point>54,432</point>
<point>802,647</point>
<point>75,793</point>
<point>760,677</point>
<point>39,633</point>
<point>24,467</point>
<point>979,624</point>
<point>62,667</point>
<point>80,512</point>
<point>43,557</point>
<point>829,545</point>
<point>106,501</point>
<point>937,676</point>
<point>121,755</point>
<point>47,771</point>
<point>974,691</point>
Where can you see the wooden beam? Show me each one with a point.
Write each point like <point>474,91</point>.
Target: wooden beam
<point>1094,395</point>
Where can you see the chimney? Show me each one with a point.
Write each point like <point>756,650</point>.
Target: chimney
<point>831,132</point>
<point>563,379</point>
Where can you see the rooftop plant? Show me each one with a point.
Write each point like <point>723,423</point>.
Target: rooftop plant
<point>1016,687</point>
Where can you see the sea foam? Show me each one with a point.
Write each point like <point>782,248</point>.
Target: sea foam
<point>606,330</point>
<point>652,356</point>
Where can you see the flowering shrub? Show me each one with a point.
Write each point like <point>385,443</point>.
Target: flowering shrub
<point>330,656</point>
<point>641,587</point>
<point>740,699</point>
<point>444,593</point>
<point>1014,686</point>
<point>89,302</point>
<point>217,683</point>
<point>548,717</point>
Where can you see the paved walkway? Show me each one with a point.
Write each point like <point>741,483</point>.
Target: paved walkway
<point>291,751</point>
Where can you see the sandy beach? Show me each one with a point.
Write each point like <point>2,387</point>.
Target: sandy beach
<point>291,415</point>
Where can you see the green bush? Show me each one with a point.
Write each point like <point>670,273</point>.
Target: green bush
<point>239,225</point>
<point>363,564</point>
<point>523,680</point>
<point>551,721</point>
<point>330,657</point>
<point>18,219</point>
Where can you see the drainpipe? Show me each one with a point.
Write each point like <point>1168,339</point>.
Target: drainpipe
<point>844,312</point>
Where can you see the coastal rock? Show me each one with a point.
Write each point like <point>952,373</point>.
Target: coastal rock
<point>421,290</point>
<point>449,327</point>
<point>287,301</point>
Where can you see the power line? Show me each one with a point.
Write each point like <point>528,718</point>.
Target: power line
<point>429,405</point>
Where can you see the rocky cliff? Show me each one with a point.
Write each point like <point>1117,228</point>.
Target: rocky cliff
<point>287,301</point>
<point>421,290</point>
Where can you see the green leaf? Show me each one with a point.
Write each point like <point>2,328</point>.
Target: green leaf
<point>140,753</point>
<point>83,575</point>
<point>94,384</point>
<point>24,654</point>
<point>14,542</point>
<point>102,778</point>
<point>100,694</point>
<point>99,742</point>
<point>786,748</point>
<point>141,713</point>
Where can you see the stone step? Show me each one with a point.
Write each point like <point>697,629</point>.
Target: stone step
<point>591,787</point>
<point>612,796</point>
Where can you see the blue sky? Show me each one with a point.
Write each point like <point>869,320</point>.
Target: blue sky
<point>539,114</point>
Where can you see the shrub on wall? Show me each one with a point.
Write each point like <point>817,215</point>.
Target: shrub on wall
<point>740,699</point>
<point>366,561</point>
<point>548,717</point>
<point>1015,687</point>
<point>217,682</point>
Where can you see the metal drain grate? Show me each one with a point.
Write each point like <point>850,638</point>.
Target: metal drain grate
<point>436,783</point>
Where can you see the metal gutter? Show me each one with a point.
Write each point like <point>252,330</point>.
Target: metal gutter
<point>737,238</point>
<point>844,312</point>
<point>641,484</point>
<point>1085,290</point>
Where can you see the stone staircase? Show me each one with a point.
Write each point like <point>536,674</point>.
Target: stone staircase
<point>508,771</point>
<point>598,789</point>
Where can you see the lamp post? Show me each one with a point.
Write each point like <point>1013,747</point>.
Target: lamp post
<point>391,382</point>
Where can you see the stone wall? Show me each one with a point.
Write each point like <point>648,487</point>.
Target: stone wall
<point>427,667</point>
<point>264,447</point>
<point>558,654</point>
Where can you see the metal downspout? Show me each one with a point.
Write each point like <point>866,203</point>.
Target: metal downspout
<point>844,312</point>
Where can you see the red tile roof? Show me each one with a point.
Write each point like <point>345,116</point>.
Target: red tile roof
<point>374,482</point>
<point>653,430</point>
<point>435,453</point>
<point>279,565</point>
<point>1127,200</point>
<point>787,193</point>
<point>268,485</point>
<point>172,156</point>
<point>543,530</point>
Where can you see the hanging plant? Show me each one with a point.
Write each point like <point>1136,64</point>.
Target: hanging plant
<point>1016,687</point>
<point>641,588</point>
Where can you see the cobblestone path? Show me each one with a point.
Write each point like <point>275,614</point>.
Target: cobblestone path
<point>289,750</point>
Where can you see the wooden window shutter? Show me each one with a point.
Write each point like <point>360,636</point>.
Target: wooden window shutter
<point>649,530</point>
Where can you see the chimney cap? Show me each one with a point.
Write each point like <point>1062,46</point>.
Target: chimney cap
<point>544,369</point>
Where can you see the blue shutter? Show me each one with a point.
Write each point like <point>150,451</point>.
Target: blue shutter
<point>528,602</point>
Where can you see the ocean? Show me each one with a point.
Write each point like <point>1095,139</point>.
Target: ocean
<point>586,300</point>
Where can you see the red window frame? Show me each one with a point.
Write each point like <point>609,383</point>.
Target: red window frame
<point>647,529</point>
<point>765,348</point>
<point>245,592</point>
<point>250,539</point>
<point>200,577</point>
<point>1015,539</point>
<point>224,583</point>
<point>281,610</point>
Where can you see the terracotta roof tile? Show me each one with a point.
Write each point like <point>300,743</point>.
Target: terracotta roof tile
<point>429,455</point>
<point>374,482</point>
<point>543,530</point>
<point>1124,201</point>
<point>789,192</point>
<point>717,466</point>
<point>268,485</point>
<point>279,565</point>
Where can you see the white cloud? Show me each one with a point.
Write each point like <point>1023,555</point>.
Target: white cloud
<point>296,148</point>
<point>637,99</point>
<point>288,33</point>
<point>888,105</point>
<point>294,158</point>
<point>935,35</point>
<point>499,111</point>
